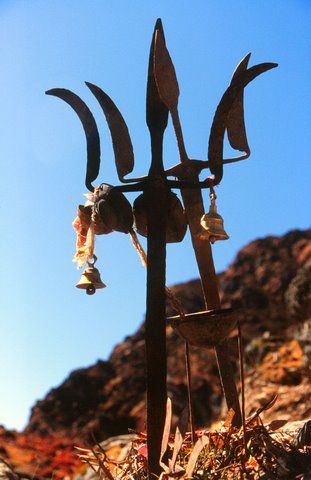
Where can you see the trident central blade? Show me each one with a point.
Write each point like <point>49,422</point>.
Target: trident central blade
<point>156,110</point>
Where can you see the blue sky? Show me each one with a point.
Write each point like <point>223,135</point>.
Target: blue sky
<point>48,327</point>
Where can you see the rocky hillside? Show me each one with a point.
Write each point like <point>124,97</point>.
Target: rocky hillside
<point>269,282</point>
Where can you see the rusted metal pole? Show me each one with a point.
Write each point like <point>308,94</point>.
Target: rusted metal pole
<point>155,323</point>
<point>190,398</point>
<point>194,208</point>
<point>193,202</point>
<point>156,195</point>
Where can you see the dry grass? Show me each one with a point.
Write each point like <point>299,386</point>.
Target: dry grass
<point>253,452</point>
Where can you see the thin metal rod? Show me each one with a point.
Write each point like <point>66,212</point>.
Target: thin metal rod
<point>190,398</point>
<point>241,362</point>
<point>179,135</point>
<point>138,187</point>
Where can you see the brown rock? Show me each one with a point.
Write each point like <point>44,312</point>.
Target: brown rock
<point>109,397</point>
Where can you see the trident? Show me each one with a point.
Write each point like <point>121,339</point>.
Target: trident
<point>162,100</point>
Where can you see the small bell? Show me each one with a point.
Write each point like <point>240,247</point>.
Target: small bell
<point>213,223</point>
<point>90,279</point>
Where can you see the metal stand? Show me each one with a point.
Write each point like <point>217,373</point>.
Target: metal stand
<point>162,99</point>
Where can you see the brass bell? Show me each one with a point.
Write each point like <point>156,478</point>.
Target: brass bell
<point>213,223</point>
<point>90,279</point>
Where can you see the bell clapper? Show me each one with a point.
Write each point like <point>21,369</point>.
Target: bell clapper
<point>90,290</point>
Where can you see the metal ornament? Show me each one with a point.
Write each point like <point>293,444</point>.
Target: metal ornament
<point>176,222</point>
<point>90,279</point>
<point>205,329</point>
<point>163,224</point>
<point>213,223</point>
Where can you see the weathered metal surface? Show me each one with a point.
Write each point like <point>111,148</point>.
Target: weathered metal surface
<point>121,141</point>
<point>231,99</point>
<point>162,98</point>
<point>165,74</point>
<point>157,204</point>
<point>156,110</point>
<point>176,223</point>
<point>90,129</point>
<point>168,87</point>
<point>236,130</point>
<point>193,203</point>
<point>205,329</point>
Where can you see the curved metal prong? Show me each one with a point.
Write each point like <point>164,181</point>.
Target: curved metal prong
<point>121,141</point>
<point>220,122</point>
<point>90,129</point>
<point>235,122</point>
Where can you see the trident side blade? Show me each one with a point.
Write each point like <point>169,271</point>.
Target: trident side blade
<point>235,123</point>
<point>220,122</point>
<point>90,129</point>
<point>121,141</point>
